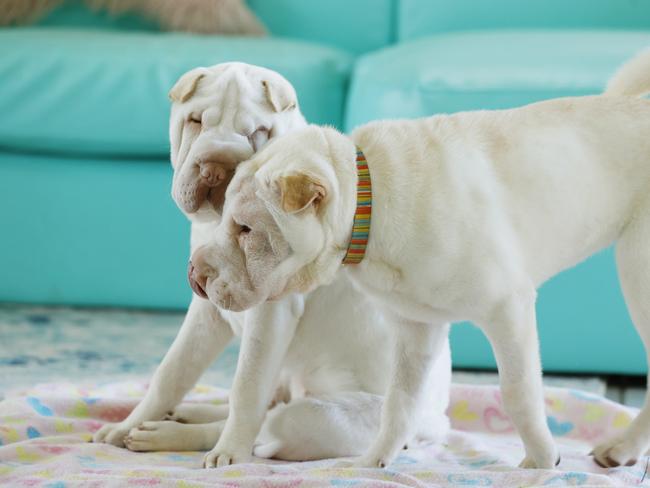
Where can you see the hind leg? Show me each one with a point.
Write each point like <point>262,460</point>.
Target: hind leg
<point>328,426</point>
<point>512,331</point>
<point>337,425</point>
<point>346,422</point>
<point>633,260</point>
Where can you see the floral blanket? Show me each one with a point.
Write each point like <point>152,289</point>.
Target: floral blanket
<point>45,433</point>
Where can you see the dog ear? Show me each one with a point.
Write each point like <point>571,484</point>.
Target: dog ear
<point>280,95</point>
<point>186,85</point>
<point>300,192</point>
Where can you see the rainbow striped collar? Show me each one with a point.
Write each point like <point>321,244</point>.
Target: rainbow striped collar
<point>361,225</point>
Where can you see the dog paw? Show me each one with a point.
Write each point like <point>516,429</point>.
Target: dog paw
<point>618,452</point>
<point>161,436</point>
<point>543,458</point>
<point>530,463</point>
<point>219,457</point>
<point>113,434</point>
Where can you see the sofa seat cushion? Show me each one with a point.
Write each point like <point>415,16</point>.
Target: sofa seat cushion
<point>105,92</point>
<point>485,70</point>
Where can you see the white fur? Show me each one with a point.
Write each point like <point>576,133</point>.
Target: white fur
<point>633,79</point>
<point>323,353</point>
<point>471,213</point>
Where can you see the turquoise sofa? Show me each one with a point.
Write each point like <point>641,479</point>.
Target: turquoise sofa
<point>84,173</point>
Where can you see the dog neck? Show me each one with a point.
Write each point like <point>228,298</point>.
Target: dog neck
<point>361,224</point>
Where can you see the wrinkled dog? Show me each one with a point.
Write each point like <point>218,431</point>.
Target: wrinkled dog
<point>471,213</point>
<point>319,358</point>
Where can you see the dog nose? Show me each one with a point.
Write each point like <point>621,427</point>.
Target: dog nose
<point>197,281</point>
<point>212,173</point>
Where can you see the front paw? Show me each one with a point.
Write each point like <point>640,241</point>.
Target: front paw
<point>547,461</point>
<point>619,451</point>
<point>113,434</point>
<point>159,436</point>
<point>219,457</point>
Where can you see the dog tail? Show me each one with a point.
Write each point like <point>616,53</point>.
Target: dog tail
<point>632,79</point>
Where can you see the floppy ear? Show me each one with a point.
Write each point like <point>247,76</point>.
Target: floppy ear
<point>186,85</point>
<point>280,95</point>
<point>299,192</point>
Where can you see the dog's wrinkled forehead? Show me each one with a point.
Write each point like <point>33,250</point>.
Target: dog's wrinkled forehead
<point>222,91</point>
<point>243,204</point>
<point>235,84</point>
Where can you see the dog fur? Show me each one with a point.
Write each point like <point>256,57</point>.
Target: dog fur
<point>317,359</point>
<point>472,212</point>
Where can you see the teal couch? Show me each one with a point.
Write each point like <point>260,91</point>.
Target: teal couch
<point>84,172</point>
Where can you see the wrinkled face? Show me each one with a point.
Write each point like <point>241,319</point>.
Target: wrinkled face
<point>221,116</point>
<point>236,269</point>
<point>285,226</point>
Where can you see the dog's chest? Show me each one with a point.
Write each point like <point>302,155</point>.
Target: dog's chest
<point>389,288</point>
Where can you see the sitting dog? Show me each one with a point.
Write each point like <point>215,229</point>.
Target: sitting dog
<point>317,357</point>
<point>470,213</point>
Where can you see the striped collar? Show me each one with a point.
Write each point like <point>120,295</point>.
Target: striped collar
<point>361,225</point>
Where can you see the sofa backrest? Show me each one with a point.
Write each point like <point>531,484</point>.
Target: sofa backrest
<point>356,26</point>
<point>418,18</point>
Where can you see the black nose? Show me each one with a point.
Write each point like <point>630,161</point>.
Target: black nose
<point>197,281</point>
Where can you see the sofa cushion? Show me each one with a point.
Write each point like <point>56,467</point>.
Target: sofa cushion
<point>485,70</point>
<point>335,22</point>
<point>417,18</point>
<point>357,26</point>
<point>105,92</point>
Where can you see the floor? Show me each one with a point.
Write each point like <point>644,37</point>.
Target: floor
<point>44,345</point>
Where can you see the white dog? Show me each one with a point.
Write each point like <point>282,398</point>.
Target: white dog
<point>319,357</point>
<point>470,214</point>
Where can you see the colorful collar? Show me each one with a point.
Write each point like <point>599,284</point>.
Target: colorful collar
<point>361,225</point>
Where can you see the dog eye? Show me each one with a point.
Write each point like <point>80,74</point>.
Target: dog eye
<point>244,230</point>
<point>194,119</point>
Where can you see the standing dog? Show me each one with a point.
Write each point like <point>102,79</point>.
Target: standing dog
<point>319,357</point>
<point>470,214</point>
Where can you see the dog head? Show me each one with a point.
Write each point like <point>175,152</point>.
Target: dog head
<point>221,116</point>
<point>286,222</point>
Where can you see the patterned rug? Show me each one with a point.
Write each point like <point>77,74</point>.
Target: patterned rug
<point>44,345</point>
<point>64,372</point>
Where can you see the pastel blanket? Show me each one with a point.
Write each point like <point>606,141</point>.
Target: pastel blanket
<point>44,434</point>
